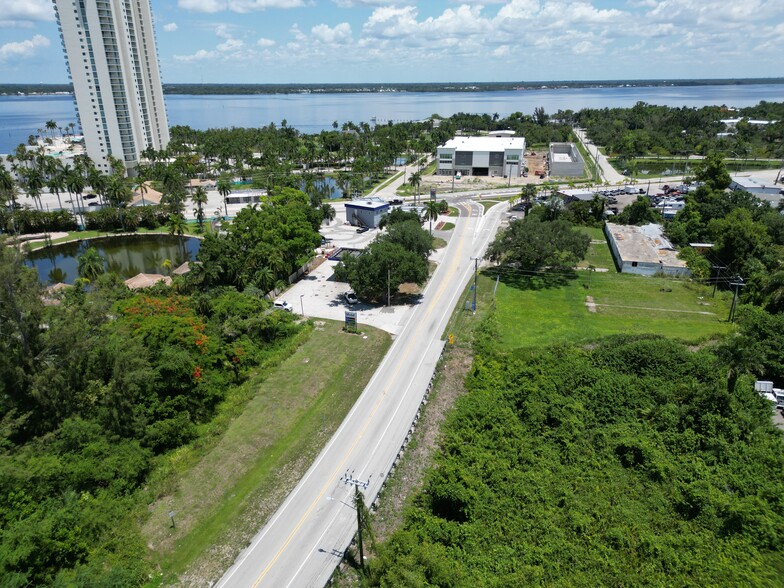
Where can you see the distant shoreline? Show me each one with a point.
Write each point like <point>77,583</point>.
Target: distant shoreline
<point>372,88</point>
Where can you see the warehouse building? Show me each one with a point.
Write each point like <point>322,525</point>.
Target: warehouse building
<point>566,161</point>
<point>643,250</point>
<point>366,212</point>
<point>496,155</point>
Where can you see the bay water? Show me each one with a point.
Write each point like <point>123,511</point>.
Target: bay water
<point>21,116</point>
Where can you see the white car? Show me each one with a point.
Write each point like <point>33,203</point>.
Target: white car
<point>282,305</point>
<point>350,297</point>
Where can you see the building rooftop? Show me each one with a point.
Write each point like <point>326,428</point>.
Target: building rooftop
<point>485,143</point>
<point>645,244</point>
<point>368,203</point>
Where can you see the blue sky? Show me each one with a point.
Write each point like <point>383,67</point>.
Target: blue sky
<point>316,41</point>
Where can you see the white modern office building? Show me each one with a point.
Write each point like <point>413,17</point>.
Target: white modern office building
<point>113,64</point>
<point>496,155</point>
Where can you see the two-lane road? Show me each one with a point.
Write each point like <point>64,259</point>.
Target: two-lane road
<point>305,539</point>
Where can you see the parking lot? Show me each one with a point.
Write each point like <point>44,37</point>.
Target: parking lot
<point>319,295</point>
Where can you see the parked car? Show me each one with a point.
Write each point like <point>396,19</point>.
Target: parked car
<point>363,229</point>
<point>90,197</point>
<point>350,297</point>
<point>282,305</point>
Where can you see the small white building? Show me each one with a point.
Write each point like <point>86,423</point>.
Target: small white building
<point>495,155</point>
<point>644,250</point>
<point>366,212</point>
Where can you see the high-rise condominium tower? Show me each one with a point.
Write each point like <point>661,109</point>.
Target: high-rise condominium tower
<point>113,63</point>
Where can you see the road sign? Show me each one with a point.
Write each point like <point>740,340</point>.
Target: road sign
<point>432,192</point>
<point>351,321</point>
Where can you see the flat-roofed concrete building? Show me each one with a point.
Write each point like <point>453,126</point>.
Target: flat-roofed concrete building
<point>499,155</point>
<point>644,250</point>
<point>566,161</point>
<point>366,212</point>
<point>113,64</point>
<point>771,194</point>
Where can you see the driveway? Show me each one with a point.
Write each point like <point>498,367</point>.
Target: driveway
<point>319,295</point>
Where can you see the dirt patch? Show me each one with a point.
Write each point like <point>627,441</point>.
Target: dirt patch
<point>409,289</point>
<point>590,304</point>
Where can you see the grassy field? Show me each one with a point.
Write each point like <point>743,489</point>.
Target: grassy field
<point>599,254</point>
<point>223,498</point>
<point>543,309</point>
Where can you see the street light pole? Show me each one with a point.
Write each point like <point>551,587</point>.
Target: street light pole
<point>476,274</point>
<point>301,304</point>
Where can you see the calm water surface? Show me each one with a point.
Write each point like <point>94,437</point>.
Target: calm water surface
<point>125,256</point>
<point>21,116</point>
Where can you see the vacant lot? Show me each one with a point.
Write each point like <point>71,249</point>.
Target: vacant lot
<point>543,308</point>
<point>225,497</point>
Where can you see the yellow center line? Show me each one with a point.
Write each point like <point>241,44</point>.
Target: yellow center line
<point>367,422</point>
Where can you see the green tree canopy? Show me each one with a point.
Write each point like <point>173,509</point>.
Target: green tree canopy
<point>532,244</point>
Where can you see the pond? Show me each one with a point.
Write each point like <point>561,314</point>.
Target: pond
<point>125,256</point>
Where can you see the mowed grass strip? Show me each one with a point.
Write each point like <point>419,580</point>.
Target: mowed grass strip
<point>541,309</point>
<point>227,496</point>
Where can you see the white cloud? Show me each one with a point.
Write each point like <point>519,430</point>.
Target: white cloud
<point>23,49</point>
<point>240,6</point>
<point>200,55</point>
<point>223,31</point>
<point>354,3</point>
<point>22,13</point>
<point>263,42</point>
<point>170,28</point>
<point>209,6</point>
<point>501,51</point>
<point>337,35</point>
<point>230,45</point>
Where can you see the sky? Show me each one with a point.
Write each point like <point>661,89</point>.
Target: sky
<point>386,41</point>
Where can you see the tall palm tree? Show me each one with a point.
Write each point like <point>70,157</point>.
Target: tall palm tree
<point>56,185</point>
<point>415,180</point>
<point>51,126</point>
<point>90,264</point>
<point>224,189</point>
<point>74,183</point>
<point>432,210</point>
<point>177,225</point>
<point>34,184</point>
<point>117,192</point>
<point>199,198</point>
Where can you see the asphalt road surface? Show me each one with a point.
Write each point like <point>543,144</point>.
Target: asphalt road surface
<point>305,539</point>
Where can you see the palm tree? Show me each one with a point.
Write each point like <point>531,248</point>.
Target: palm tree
<point>414,181</point>
<point>117,192</point>
<point>34,183</point>
<point>264,278</point>
<point>74,183</point>
<point>56,184</point>
<point>224,189</point>
<point>51,126</point>
<point>7,185</point>
<point>199,198</point>
<point>327,212</point>
<point>90,264</point>
<point>431,213</point>
<point>178,225</point>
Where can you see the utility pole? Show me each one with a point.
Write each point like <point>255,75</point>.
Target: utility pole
<point>476,274</point>
<point>359,505</point>
<point>718,269</point>
<point>738,283</point>
<point>388,280</point>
